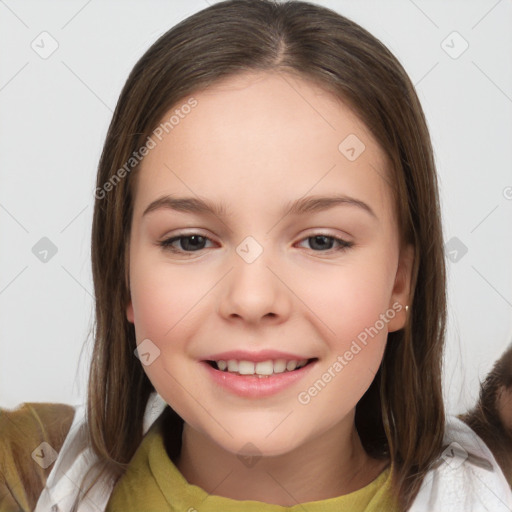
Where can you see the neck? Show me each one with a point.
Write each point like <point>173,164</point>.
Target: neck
<point>333,464</point>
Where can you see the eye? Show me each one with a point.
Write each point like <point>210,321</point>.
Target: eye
<point>195,242</point>
<point>321,241</point>
<point>189,243</point>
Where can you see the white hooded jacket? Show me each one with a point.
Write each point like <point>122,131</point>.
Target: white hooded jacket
<point>467,478</point>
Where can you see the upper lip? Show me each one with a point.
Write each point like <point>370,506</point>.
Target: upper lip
<point>262,355</point>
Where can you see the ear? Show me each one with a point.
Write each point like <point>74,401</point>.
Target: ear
<point>504,406</point>
<point>401,289</point>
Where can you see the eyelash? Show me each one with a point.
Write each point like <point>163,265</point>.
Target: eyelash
<point>166,244</point>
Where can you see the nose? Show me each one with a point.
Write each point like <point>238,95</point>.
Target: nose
<point>254,291</point>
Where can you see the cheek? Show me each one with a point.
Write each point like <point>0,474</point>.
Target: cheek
<point>351,309</point>
<point>168,310</point>
<point>165,299</point>
<point>166,305</point>
<point>349,298</point>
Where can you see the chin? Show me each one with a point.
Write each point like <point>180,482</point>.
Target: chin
<point>257,444</point>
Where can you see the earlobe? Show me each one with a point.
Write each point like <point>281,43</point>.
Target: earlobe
<point>400,298</point>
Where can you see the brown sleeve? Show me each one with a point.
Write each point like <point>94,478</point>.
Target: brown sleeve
<point>24,463</point>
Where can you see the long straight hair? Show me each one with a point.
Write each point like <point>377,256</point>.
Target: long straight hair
<point>401,416</point>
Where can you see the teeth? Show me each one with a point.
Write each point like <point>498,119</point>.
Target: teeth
<point>232,365</point>
<point>245,368</point>
<point>264,368</point>
<point>261,368</point>
<point>291,365</point>
<point>280,366</point>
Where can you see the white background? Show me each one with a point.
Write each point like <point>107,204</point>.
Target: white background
<point>54,117</point>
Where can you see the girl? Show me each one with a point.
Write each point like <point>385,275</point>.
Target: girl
<point>270,285</point>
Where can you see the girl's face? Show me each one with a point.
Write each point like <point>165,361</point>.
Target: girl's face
<point>324,282</point>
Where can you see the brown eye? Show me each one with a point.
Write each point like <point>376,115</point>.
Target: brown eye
<point>187,243</point>
<point>324,243</point>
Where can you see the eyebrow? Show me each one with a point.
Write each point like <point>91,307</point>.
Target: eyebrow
<point>301,206</point>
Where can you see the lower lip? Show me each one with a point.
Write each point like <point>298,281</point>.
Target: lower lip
<point>252,386</point>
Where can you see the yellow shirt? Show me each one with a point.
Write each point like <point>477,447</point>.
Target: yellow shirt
<point>152,483</point>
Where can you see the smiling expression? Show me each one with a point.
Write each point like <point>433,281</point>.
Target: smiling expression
<point>274,272</point>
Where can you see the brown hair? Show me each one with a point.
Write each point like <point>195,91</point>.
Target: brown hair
<point>491,417</point>
<point>401,416</point>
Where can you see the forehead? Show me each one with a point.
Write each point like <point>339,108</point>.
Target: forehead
<point>256,137</point>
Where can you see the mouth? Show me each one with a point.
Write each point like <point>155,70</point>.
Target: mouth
<point>262,369</point>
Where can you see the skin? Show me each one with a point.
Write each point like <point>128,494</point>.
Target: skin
<point>505,406</point>
<point>256,141</point>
